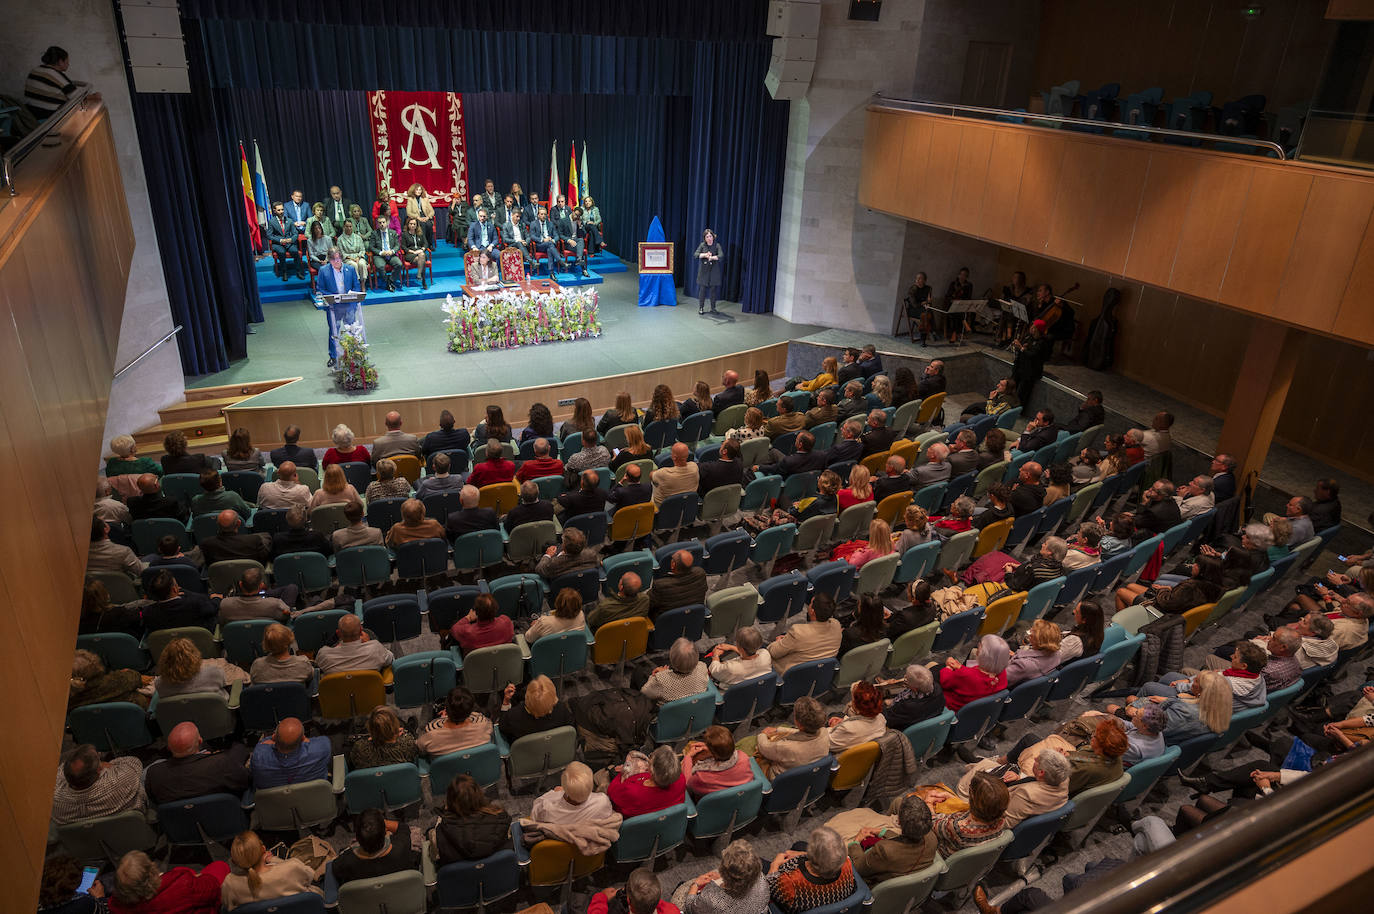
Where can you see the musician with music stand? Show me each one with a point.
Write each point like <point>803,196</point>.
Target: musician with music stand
<point>339,294</point>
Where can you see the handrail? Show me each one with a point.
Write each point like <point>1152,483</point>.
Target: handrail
<point>1210,863</point>
<point>149,351</point>
<point>20,150</point>
<point>911,104</point>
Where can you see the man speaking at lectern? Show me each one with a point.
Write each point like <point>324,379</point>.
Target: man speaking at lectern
<point>336,278</point>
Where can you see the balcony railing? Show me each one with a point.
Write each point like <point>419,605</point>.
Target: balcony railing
<point>19,151</point>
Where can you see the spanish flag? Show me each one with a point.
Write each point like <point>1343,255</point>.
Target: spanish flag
<point>572,177</point>
<point>250,208</point>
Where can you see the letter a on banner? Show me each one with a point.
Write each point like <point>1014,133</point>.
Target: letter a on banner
<point>420,138</point>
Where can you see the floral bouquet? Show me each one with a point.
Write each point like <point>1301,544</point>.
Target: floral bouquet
<point>512,318</point>
<point>356,371</point>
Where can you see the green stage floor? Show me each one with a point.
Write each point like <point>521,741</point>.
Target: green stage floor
<point>408,345</point>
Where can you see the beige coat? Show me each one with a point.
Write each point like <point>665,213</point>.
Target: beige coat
<point>806,641</point>
<point>281,878</point>
<point>1029,799</point>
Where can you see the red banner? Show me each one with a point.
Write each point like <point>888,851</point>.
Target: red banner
<point>420,138</point>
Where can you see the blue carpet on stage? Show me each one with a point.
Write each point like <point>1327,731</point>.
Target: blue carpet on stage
<point>448,278</point>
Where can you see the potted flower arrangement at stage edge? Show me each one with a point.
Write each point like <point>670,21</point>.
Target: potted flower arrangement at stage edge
<point>356,371</point>
<point>512,318</point>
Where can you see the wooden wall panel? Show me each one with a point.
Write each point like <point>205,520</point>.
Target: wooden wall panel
<point>62,317</point>
<point>1005,163</point>
<point>1035,202</point>
<point>1260,254</point>
<point>1209,229</point>
<point>1110,211</point>
<point>1154,240</point>
<point>934,205</point>
<point>970,176</point>
<point>915,154</point>
<point>883,136</point>
<point>1070,227</point>
<point>1355,317</point>
<point>1324,251</point>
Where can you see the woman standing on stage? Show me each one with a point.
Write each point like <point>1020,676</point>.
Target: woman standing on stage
<point>708,255</point>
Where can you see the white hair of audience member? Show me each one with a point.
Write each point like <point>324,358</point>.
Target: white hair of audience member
<point>682,657</point>
<point>993,655</point>
<point>919,679</point>
<point>1260,536</point>
<point>963,507</point>
<point>1290,639</point>
<point>825,853</point>
<point>122,445</point>
<point>1057,547</point>
<point>749,641</point>
<point>664,767</point>
<point>343,436</point>
<point>1054,766</point>
<point>937,452</point>
<point>468,496</point>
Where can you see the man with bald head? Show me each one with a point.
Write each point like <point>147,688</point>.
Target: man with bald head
<point>284,492</point>
<point>191,770</point>
<point>681,477</point>
<point>932,380</point>
<point>732,394</point>
<point>150,502</point>
<point>394,441</point>
<point>469,518</point>
<point>413,525</point>
<point>683,585</point>
<point>1028,494</point>
<point>355,650</point>
<point>228,543</point>
<point>288,756</point>
<point>541,464</point>
<point>626,603</point>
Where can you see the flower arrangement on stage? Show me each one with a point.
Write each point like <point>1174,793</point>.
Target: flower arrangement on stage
<point>512,317</point>
<point>356,371</point>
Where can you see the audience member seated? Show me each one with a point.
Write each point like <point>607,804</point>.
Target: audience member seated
<point>647,783</point>
<point>632,489</point>
<point>802,460</point>
<point>626,603</point>
<point>753,427</point>
<point>738,885</point>
<point>440,480</point>
<point>1085,638</point>
<point>935,469</point>
<point>285,491</point>
<point>581,419</point>
<point>818,876</point>
<point>140,888</point>
<point>169,552</point>
<point>484,626</point>
<point>985,819</point>
<point>573,801</point>
<point>291,452</point>
<point>183,671</point>
<point>470,826</point>
<point>869,623</point>
<point>109,508</point>
<point>634,449</point>
<point>818,638</point>
<point>587,498</point>
<point>863,718</point>
<point>105,555</point>
<point>623,413</point>
<point>1060,477</point>
<point>1047,565</point>
<point>1203,586</point>
<point>241,456</point>
<point>386,743</point>
<point>998,507</point>
<point>387,484</point>
<point>447,437</point>
<point>277,663</point>
<point>1044,787</point>
<point>592,456</point>
<point>1195,497</point>
<point>344,449</point>
<point>920,698</point>
<point>1144,735</point>
<point>1205,707</point>
<point>357,533</point>
<point>993,449</point>
<point>1325,510</point>
<point>378,850</point>
<point>1156,439</point>
<point>860,488</point>
<point>469,518</point>
<point>87,787</point>
<point>1158,510</point>
<point>850,445</point>
<point>963,453</point>
<point>916,529</point>
<point>572,555</point>
<point>1028,494</point>
<point>787,420</point>
<point>288,756</point>
<point>853,403</point>
<point>60,890</point>
<point>714,763</point>
<point>299,536</point>
<point>413,525</point>
<point>1039,432</point>
<point>910,848</point>
<point>726,471</point>
<point>751,658</point>
<point>567,611</point>
<point>172,607</point>
<point>191,770</point>
<point>92,684</point>
<point>494,426</point>
<point>1039,656</point>
<point>879,544</point>
<point>778,749</point>
<point>683,676</point>
<point>460,726</point>
<point>824,411</point>
<point>1120,538</point>
<point>958,520</point>
<point>260,876</point>
<point>894,479</point>
<point>642,895</point>
<point>1083,547</point>
<point>355,650</point>
<point>1243,562</point>
<point>177,460</point>
<point>699,401</point>
<point>962,684</point>
<point>922,611</point>
<point>684,584</point>
<point>1001,398</point>
<point>252,602</point>
<point>537,711</point>
<point>542,464</point>
<point>1094,744</point>
<point>150,502</point>
<point>335,489</point>
<point>126,461</point>
<point>395,441</point>
<point>680,477</point>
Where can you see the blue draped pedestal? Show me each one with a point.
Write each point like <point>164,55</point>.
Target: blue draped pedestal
<point>656,288</point>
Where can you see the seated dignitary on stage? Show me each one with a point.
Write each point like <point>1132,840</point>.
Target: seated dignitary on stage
<point>413,244</point>
<point>353,246</point>
<point>544,233</point>
<point>386,253</point>
<point>486,274</point>
<point>337,278</point>
<point>570,235</point>
<point>591,224</point>
<point>482,234</point>
<point>282,241</point>
<point>514,234</point>
<point>337,209</point>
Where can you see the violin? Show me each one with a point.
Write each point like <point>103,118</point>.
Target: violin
<point>1055,310</point>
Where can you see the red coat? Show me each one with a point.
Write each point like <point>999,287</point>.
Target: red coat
<point>490,471</point>
<point>638,794</point>
<point>539,466</point>
<point>183,892</point>
<point>359,454</point>
<point>967,683</point>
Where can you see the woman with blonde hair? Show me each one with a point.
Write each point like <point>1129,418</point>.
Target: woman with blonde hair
<point>879,544</point>
<point>277,663</point>
<point>762,389</point>
<point>699,401</point>
<point>126,461</point>
<point>386,743</point>
<point>541,710</point>
<point>182,670</point>
<point>623,413</point>
<point>830,369</point>
<point>265,877</point>
<point>860,487</point>
<point>662,406</point>
<point>752,428</point>
<point>882,386</point>
<point>635,448</point>
<point>335,489</point>
<point>344,450</point>
<point>917,529</point>
<point>1204,708</point>
<point>1039,656</point>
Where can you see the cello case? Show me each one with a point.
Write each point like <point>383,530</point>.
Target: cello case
<point>1101,343</point>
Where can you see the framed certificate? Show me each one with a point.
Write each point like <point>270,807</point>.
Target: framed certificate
<point>656,257</point>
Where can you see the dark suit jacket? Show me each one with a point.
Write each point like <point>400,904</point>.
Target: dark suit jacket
<point>871,366</point>
<point>338,223</point>
<point>296,212</point>
<point>543,231</point>
<point>877,440</point>
<point>392,239</point>
<point>961,462</point>
<point>475,236</point>
<point>622,496</point>
<point>198,775</point>
<point>730,396</point>
<point>525,514</point>
<point>1026,498</point>
<point>1086,418</point>
<point>1224,487</point>
<point>566,230</point>
<point>306,540</point>
<point>559,212</point>
<point>283,234</point>
<point>1033,441</point>
<point>529,214</point>
<point>300,456</point>
<point>1324,514</point>
<point>883,486</point>
<point>145,506</point>
<point>797,463</point>
<point>470,520</point>
<point>440,440</point>
<point>845,449</point>
<point>714,473</point>
<point>673,590</point>
<point>221,548</point>
<point>187,609</point>
<point>1158,516</point>
<point>580,502</point>
<point>848,373</point>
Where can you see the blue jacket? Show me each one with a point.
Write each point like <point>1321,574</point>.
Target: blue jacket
<point>277,232</point>
<point>297,212</point>
<point>324,282</point>
<point>310,762</point>
<point>475,236</point>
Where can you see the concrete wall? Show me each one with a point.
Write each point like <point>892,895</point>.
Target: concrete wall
<point>86,29</point>
<point>948,28</point>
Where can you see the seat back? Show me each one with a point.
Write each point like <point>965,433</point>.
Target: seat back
<point>683,622</point>
<point>111,726</point>
<point>721,502</point>
<point>773,542</point>
<point>973,719</point>
<point>293,807</point>
<point>223,576</point>
<point>918,561</point>
<point>1023,530</point>
<point>1146,773</point>
<point>993,537</point>
<point>393,618</point>
<point>1033,833</point>
<point>547,752</point>
<point>1025,697</point>
<point>853,766</point>
<point>798,486</point>
<point>1192,618</point>
<point>421,559</point>
<point>362,566</point>
<point>1082,500</point>
<point>1133,617</point>
<point>104,840</point>
<point>677,511</point>
<point>491,669</point>
<point>814,533</point>
<point>1117,654</point>
<point>358,474</point>
<point>645,837</point>
<point>478,883</point>
<point>902,894</point>
<point>554,862</point>
<point>482,763</point>
<point>351,693</point>
<point>956,550</point>
<point>395,892</point>
<point>1109,571</point>
<point>476,550</point>
<point>893,507</point>
<point>761,490</point>
<point>730,609</point>
<point>382,513</point>
<point>1077,584</point>
<point>1071,677</point>
<point>624,639</point>
<point>876,574</point>
<point>263,705</point>
<point>216,816</point>
<point>810,678</point>
<point>957,630</point>
<point>726,552</point>
<point>928,737</point>
<point>243,640</point>
<point>181,486</point>
<point>315,629</point>
<point>201,637</point>
<point>245,482</point>
<point>423,678</point>
<point>118,651</point>
<point>499,496</point>
<point>835,578</point>
<point>914,645</point>
<point>931,497</point>
<point>781,596</point>
<point>684,718</point>
<point>519,596</point>
<point>863,662</point>
<point>964,868</point>
<point>632,522</point>
<point>1141,555</point>
<point>747,699</point>
<point>825,436</point>
<point>660,434</point>
<point>929,407</point>
<point>1090,804</point>
<point>721,812</point>
<point>696,427</point>
<point>384,787</point>
<point>1001,613</point>
<point>1039,599</point>
<point>307,570</point>
<point>148,530</point>
<point>799,787</point>
<point>209,711</point>
<point>325,519</point>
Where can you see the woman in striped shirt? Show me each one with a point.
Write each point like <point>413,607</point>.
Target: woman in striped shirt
<point>48,87</point>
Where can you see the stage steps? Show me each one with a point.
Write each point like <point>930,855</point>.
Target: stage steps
<point>201,417</point>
